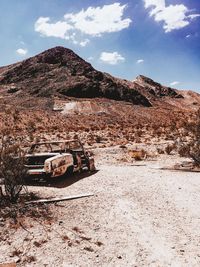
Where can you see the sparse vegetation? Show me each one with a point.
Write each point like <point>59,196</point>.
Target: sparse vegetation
<point>169,148</point>
<point>191,147</point>
<point>195,144</point>
<point>12,160</point>
<point>138,154</point>
<point>12,168</point>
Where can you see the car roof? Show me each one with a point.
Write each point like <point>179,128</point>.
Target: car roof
<point>56,142</point>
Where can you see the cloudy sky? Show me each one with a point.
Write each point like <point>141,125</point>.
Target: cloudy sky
<point>156,38</point>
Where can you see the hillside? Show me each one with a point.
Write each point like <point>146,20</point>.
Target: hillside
<point>60,72</point>
<point>58,91</point>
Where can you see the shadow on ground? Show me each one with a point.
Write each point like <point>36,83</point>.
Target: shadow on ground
<point>61,182</point>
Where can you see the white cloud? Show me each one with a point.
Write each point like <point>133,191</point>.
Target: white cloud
<point>90,58</point>
<point>111,58</point>
<point>84,42</point>
<point>193,16</point>
<point>21,51</point>
<point>93,21</point>
<point>157,4</point>
<point>193,35</point>
<point>174,83</point>
<point>139,61</point>
<point>58,29</point>
<point>174,17</point>
<point>98,20</point>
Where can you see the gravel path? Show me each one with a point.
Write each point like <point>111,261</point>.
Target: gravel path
<point>139,216</point>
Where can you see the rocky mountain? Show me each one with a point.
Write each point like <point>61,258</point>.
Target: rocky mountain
<point>61,72</point>
<point>152,89</point>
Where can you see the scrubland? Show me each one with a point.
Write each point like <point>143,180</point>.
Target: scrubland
<point>144,211</point>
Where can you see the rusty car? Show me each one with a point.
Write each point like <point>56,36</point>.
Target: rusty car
<point>57,158</point>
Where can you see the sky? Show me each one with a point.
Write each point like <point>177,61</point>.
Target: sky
<point>156,38</point>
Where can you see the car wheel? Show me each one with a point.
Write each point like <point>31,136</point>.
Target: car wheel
<point>91,166</point>
<point>70,170</point>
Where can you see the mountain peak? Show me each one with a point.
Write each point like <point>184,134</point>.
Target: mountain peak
<point>56,55</point>
<point>57,50</point>
<point>61,72</point>
<point>145,79</point>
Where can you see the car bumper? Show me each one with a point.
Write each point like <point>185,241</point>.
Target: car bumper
<point>37,172</point>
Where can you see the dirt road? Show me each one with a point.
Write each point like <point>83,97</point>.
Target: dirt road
<point>139,216</point>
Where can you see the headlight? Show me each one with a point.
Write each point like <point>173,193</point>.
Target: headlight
<point>47,166</point>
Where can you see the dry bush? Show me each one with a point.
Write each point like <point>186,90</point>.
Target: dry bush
<point>160,150</point>
<point>12,168</point>
<point>169,148</point>
<point>18,215</point>
<point>99,139</point>
<point>192,148</point>
<point>195,144</point>
<point>184,150</point>
<point>12,158</point>
<point>137,154</point>
<point>29,259</point>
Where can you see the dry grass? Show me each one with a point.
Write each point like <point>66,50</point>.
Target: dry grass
<point>18,215</point>
<point>137,154</point>
<point>121,124</point>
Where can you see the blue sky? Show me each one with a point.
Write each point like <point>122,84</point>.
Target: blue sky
<point>156,38</point>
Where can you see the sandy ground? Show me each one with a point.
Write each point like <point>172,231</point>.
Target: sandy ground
<point>139,215</point>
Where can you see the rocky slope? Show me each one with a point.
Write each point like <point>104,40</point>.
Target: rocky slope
<point>152,89</point>
<point>60,72</point>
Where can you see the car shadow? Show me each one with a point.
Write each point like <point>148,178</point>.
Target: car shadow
<point>61,182</point>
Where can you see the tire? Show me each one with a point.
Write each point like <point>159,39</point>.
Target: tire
<point>70,170</point>
<point>48,178</point>
<point>91,166</point>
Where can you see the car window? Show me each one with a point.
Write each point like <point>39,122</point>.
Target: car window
<point>41,148</point>
<point>74,145</point>
<point>58,147</point>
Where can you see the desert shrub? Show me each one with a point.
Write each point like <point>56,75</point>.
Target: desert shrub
<point>12,157</point>
<point>184,150</point>
<point>160,150</point>
<point>192,148</point>
<point>31,126</point>
<point>195,144</point>
<point>12,168</point>
<point>169,148</point>
<point>138,154</point>
<point>99,139</point>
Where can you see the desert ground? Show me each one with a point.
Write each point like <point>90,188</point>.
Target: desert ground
<point>144,208</point>
<point>142,213</point>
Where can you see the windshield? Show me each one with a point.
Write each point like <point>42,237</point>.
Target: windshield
<point>48,148</point>
<point>58,147</point>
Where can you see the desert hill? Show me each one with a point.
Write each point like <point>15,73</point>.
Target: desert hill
<point>60,72</point>
<point>57,91</point>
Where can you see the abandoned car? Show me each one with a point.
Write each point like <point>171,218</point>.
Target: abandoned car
<point>57,158</point>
